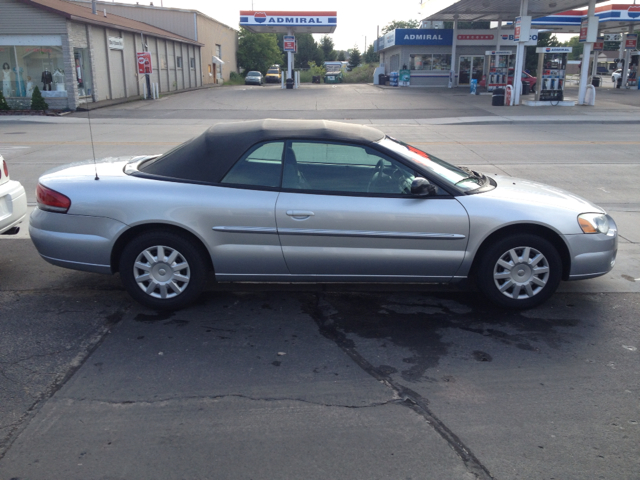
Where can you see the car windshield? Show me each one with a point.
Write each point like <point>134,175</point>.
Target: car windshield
<point>253,74</point>
<point>273,70</point>
<point>460,177</point>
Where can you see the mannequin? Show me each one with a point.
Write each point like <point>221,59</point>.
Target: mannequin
<point>6,79</point>
<point>47,79</point>
<point>30,87</point>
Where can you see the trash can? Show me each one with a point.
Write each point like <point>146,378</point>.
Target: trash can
<point>525,88</point>
<point>497,100</point>
<point>382,79</point>
<point>595,81</point>
<point>289,83</point>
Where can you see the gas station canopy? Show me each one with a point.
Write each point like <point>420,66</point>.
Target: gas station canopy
<point>505,10</point>
<point>288,22</point>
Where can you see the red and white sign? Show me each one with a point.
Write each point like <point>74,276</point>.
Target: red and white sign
<point>516,29</point>
<point>599,45</point>
<point>632,41</point>
<point>477,37</point>
<point>144,62</point>
<point>584,28</point>
<point>289,43</point>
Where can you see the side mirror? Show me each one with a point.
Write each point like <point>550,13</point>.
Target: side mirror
<point>422,188</point>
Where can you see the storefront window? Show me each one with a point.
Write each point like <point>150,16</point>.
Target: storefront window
<point>430,61</point>
<point>25,67</point>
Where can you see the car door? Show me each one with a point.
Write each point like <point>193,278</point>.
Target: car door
<point>346,212</point>
<point>244,239</point>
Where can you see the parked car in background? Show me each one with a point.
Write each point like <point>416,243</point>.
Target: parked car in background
<point>254,78</point>
<point>274,74</point>
<point>617,74</point>
<point>314,201</point>
<point>13,201</point>
<point>526,78</point>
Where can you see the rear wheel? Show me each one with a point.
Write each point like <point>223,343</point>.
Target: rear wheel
<point>519,271</point>
<point>163,270</point>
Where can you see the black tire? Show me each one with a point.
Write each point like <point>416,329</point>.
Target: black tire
<point>165,288</point>
<point>513,283</point>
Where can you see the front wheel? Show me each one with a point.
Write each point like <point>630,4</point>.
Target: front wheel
<point>163,270</point>
<point>519,271</point>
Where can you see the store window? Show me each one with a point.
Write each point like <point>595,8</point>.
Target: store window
<point>430,61</point>
<point>25,67</point>
<point>219,51</point>
<point>192,62</point>
<point>83,76</point>
<point>179,62</point>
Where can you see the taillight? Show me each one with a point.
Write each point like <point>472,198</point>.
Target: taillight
<point>51,201</point>
<point>5,168</point>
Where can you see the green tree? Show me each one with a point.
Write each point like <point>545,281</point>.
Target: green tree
<point>355,58</point>
<point>327,46</point>
<point>577,47</point>
<point>341,57</point>
<point>400,24</point>
<point>308,51</point>
<point>37,102</point>
<point>257,51</point>
<point>370,56</point>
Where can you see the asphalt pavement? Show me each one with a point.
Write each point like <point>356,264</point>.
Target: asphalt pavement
<point>328,381</point>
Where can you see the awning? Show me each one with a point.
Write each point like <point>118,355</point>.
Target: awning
<point>217,60</point>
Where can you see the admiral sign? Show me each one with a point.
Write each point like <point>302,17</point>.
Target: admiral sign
<point>283,21</point>
<point>554,49</point>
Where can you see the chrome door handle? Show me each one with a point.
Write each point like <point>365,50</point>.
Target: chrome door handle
<point>300,213</point>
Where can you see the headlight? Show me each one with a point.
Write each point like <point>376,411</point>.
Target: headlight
<point>593,223</point>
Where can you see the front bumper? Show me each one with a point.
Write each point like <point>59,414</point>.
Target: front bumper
<point>593,255</point>
<point>78,242</point>
<point>13,205</point>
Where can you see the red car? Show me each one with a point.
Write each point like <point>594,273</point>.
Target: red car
<point>526,78</point>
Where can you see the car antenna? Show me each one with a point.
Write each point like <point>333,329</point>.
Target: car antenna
<point>93,148</point>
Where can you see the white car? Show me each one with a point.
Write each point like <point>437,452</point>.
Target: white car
<point>616,75</point>
<point>13,202</point>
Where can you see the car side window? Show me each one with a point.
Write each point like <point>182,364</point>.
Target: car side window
<point>333,167</point>
<point>262,166</point>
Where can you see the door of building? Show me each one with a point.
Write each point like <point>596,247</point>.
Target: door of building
<point>470,67</point>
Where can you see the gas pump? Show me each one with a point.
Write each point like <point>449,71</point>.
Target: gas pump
<point>552,66</point>
<point>498,71</point>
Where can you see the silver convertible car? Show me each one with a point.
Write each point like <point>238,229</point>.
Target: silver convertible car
<point>314,201</point>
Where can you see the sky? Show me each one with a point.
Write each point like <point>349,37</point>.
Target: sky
<point>357,19</point>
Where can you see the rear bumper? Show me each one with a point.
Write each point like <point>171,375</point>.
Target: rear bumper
<point>13,205</point>
<point>593,255</point>
<point>75,241</point>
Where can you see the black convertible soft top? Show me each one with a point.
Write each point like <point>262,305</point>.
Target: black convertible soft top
<point>208,157</point>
